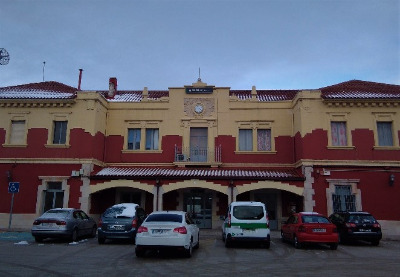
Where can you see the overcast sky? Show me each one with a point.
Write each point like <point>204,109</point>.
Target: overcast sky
<point>285,44</point>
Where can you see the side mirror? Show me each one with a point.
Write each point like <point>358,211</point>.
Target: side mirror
<point>222,217</point>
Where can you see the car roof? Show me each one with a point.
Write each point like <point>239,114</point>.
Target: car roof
<point>365,213</point>
<point>247,203</point>
<point>310,213</point>
<point>169,212</point>
<point>63,209</point>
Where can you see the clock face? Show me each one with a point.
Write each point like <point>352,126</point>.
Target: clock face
<point>199,108</point>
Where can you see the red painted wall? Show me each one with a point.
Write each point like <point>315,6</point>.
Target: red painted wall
<point>27,176</point>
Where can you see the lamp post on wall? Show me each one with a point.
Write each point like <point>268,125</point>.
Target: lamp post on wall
<point>231,186</point>
<point>391,180</point>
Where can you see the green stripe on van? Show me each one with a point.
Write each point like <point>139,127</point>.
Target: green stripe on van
<point>251,226</point>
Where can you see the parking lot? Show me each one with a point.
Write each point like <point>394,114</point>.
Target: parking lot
<point>21,256</point>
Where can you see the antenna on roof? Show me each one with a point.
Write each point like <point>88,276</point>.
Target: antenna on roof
<point>44,64</point>
<point>199,79</point>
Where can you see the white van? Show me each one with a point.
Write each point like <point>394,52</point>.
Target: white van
<point>246,221</point>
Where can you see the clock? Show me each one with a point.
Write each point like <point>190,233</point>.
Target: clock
<point>199,108</point>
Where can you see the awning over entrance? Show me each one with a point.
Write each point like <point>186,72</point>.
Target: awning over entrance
<point>199,173</point>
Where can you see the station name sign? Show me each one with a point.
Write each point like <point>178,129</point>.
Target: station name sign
<point>199,90</point>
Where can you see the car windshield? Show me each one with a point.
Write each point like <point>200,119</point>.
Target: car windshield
<point>360,218</point>
<point>164,218</point>
<point>120,211</point>
<point>56,213</point>
<point>248,212</point>
<point>314,219</point>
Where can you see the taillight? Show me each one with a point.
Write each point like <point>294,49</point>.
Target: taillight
<point>377,225</point>
<point>350,225</point>
<point>61,222</point>
<point>229,220</point>
<point>100,223</point>
<point>134,223</point>
<point>302,228</point>
<point>142,229</point>
<point>180,230</point>
<point>267,219</point>
<point>36,222</point>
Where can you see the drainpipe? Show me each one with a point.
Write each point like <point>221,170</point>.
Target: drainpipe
<point>157,192</point>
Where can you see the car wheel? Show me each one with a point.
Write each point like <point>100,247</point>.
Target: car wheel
<point>228,242</point>
<point>333,246</point>
<point>267,245</point>
<point>198,243</point>
<point>38,239</point>
<point>74,236</point>
<point>297,244</point>
<point>94,231</point>
<point>140,253</point>
<point>188,252</point>
<point>375,242</point>
<point>101,240</point>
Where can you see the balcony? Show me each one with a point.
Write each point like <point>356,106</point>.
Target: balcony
<point>197,156</point>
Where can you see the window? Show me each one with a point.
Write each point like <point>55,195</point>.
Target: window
<point>343,199</point>
<point>339,133</point>
<point>151,139</point>
<point>54,196</point>
<point>134,139</point>
<point>60,132</point>
<point>264,140</point>
<point>385,136</point>
<point>245,140</point>
<point>17,135</point>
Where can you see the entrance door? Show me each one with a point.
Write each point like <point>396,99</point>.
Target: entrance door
<point>199,205</point>
<point>198,144</point>
<point>270,201</point>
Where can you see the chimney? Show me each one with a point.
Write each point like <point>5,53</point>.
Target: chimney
<point>80,79</point>
<point>112,87</point>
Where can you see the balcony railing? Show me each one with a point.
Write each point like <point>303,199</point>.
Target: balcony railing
<point>197,155</point>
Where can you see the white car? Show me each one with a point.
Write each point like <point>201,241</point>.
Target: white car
<point>167,230</point>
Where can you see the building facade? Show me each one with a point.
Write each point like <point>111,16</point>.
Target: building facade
<point>199,147</point>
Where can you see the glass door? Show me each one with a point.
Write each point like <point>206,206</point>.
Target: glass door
<point>199,205</point>
<point>198,144</point>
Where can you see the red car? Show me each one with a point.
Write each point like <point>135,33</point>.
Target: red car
<point>310,227</point>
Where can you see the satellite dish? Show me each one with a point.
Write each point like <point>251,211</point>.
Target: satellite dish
<point>4,56</point>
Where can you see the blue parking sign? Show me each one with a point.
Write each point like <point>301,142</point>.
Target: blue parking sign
<point>13,187</point>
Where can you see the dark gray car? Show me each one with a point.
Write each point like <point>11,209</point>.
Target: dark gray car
<point>120,221</point>
<point>67,223</point>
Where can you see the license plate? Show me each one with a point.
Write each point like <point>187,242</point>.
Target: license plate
<point>116,227</point>
<point>48,224</point>
<point>319,230</point>
<point>365,230</point>
<point>159,231</point>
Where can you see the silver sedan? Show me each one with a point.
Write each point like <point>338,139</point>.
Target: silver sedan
<point>67,223</point>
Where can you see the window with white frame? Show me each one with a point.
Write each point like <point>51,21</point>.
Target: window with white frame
<point>255,136</point>
<point>339,133</point>
<point>152,139</point>
<point>385,134</point>
<point>17,134</point>
<point>53,196</point>
<point>264,140</point>
<point>245,140</point>
<point>134,137</point>
<point>60,132</point>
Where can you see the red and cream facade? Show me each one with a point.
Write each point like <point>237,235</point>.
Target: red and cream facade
<point>199,147</point>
